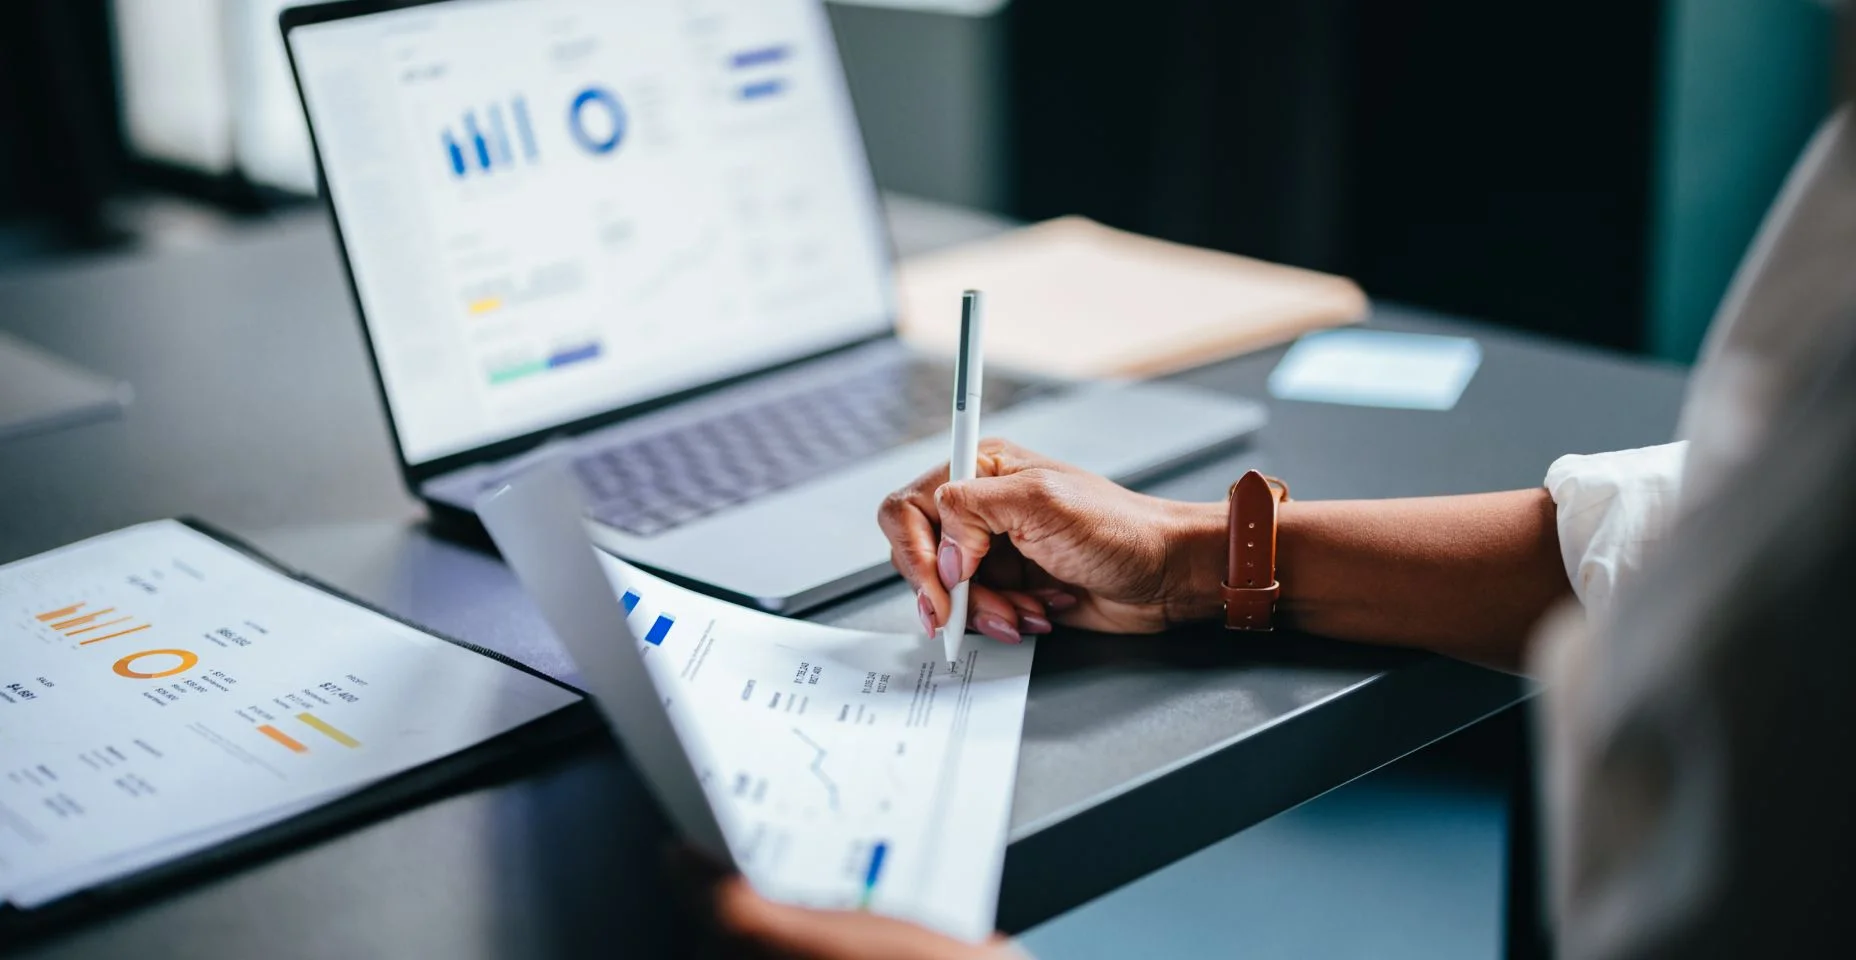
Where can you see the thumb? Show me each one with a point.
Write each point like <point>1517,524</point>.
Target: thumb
<point>975,511</point>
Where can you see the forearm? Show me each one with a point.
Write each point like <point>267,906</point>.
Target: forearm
<point>1465,576</point>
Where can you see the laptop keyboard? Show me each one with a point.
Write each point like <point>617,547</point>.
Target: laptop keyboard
<point>654,483</point>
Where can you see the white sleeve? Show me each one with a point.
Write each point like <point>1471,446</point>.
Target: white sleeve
<point>1612,509</point>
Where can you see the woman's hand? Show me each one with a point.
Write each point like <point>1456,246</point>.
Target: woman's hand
<point>1043,541</point>
<point>754,926</point>
<point>737,922</point>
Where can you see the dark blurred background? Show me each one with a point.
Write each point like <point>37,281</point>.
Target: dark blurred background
<point>1590,169</point>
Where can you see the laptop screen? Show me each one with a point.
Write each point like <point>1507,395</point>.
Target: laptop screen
<point>557,208</point>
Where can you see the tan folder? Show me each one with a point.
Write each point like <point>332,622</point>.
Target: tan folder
<point>1075,298</point>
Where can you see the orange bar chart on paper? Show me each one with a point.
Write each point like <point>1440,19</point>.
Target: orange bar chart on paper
<point>294,745</point>
<point>164,691</point>
<point>72,622</point>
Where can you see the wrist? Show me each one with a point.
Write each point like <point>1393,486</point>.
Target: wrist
<point>1196,556</point>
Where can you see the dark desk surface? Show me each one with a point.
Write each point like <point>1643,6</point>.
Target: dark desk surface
<point>254,410</point>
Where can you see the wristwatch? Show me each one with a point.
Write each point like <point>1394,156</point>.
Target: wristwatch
<point>1250,589</point>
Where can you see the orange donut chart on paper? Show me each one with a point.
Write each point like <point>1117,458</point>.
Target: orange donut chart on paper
<point>125,666</point>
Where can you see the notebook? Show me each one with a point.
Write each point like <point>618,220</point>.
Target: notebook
<point>1074,298</point>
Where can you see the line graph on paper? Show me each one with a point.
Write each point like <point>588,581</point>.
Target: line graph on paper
<point>817,766</point>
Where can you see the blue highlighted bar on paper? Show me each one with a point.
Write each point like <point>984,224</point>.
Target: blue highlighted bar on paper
<point>759,57</point>
<point>763,89</point>
<point>660,628</point>
<point>877,852</point>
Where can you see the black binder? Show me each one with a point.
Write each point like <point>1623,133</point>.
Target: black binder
<point>493,761</point>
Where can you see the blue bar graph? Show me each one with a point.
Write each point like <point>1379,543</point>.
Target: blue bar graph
<point>877,852</point>
<point>501,132</point>
<point>562,358</point>
<point>523,130</point>
<point>763,88</point>
<point>456,153</point>
<point>660,628</point>
<point>476,138</point>
<point>758,57</point>
<point>482,141</point>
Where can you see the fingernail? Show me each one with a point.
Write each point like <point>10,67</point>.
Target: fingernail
<point>949,563</point>
<point>1034,624</point>
<point>1059,602</point>
<point>925,607</point>
<point>995,627</point>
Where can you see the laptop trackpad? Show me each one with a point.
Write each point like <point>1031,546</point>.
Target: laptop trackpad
<point>802,546</point>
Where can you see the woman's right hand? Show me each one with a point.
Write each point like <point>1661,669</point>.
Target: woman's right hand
<point>1045,542</point>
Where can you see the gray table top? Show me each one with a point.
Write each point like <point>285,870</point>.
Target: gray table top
<point>254,410</point>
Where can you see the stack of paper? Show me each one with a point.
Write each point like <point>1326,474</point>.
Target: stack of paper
<point>162,692</point>
<point>849,769</point>
<point>1074,298</point>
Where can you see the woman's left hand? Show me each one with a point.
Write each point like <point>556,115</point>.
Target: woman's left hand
<point>747,924</point>
<point>760,927</point>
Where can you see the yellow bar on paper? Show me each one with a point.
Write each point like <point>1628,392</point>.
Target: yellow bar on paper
<point>323,728</point>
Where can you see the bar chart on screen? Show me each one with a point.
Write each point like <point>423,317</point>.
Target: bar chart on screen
<point>513,288</point>
<point>757,72</point>
<point>498,137</point>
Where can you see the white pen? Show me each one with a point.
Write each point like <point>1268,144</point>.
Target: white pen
<point>963,463</point>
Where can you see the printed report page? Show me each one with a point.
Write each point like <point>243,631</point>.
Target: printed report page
<point>160,689</point>
<point>849,769</point>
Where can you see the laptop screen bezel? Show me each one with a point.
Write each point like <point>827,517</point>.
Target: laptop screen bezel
<point>416,475</point>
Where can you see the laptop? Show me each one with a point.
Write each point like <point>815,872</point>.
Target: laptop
<point>642,236</point>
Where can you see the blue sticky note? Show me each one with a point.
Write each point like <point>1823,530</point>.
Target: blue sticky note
<point>1377,368</point>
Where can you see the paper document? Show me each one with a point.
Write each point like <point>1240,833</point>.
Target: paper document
<point>1071,297</point>
<point>849,769</point>
<point>835,768</point>
<point>1377,368</point>
<point>161,692</point>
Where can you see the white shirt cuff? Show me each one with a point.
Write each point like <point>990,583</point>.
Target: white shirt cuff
<point>1612,507</point>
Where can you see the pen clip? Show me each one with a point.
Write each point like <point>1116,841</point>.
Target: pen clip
<point>968,301</point>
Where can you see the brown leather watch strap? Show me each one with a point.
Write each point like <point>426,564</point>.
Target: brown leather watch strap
<point>1250,587</point>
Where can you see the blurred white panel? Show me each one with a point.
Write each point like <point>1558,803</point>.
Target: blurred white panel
<point>175,105</point>
<point>270,136</point>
